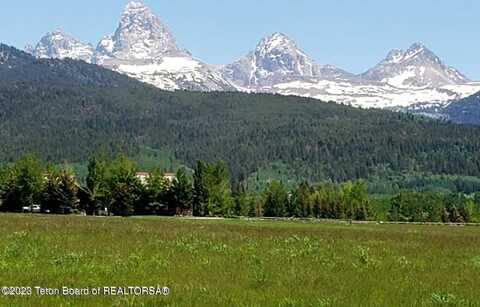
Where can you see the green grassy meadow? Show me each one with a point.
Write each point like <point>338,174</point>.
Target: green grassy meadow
<point>239,263</point>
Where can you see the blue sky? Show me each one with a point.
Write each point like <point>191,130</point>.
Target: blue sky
<point>351,34</point>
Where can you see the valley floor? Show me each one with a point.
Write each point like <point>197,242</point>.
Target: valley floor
<point>239,262</point>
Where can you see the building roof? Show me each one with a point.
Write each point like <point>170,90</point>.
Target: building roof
<point>145,174</point>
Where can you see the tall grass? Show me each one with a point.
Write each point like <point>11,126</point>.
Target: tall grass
<point>240,263</point>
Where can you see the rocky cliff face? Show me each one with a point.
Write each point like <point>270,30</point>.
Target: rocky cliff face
<point>140,35</point>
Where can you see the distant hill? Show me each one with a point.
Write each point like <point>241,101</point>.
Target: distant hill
<point>19,66</point>
<point>466,110</point>
<point>319,140</point>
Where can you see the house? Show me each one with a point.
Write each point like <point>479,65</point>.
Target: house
<point>143,177</point>
<point>170,177</point>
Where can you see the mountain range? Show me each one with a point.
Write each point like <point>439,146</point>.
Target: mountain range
<point>64,110</point>
<point>142,47</point>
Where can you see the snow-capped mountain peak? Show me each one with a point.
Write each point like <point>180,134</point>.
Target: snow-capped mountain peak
<point>140,35</point>
<point>417,47</point>
<point>414,77</point>
<point>144,48</point>
<point>278,59</point>
<point>275,59</point>
<point>135,5</point>
<point>278,56</point>
<point>277,42</point>
<point>420,51</point>
<point>417,51</point>
<point>417,67</point>
<point>136,12</point>
<point>59,44</point>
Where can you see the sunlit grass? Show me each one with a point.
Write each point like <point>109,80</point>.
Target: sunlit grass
<point>240,263</point>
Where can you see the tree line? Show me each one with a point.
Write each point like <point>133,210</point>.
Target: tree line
<point>113,187</point>
<point>434,207</point>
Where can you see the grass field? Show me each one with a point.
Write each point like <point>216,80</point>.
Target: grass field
<point>240,263</point>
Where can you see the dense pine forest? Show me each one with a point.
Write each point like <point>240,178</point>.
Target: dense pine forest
<point>320,140</point>
<point>64,111</point>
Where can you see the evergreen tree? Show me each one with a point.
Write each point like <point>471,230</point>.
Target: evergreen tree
<point>125,189</point>
<point>212,190</point>
<point>4,175</point>
<point>200,189</point>
<point>356,201</point>
<point>155,197</point>
<point>23,185</point>
<point>301,204</point>
<point>276,200</point>
<point>68,191</point>
<point>220,191</point>
<point>455,216</point>
<point>244,202</point>
<point>93,197</point>
<point>182,193</point>
<point>468,211</point>
<point>59,194</point>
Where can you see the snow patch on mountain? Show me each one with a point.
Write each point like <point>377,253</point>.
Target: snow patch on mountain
<point>378,95</point>
<point>175,73</point>
<point>400,80</point>
<point>464,90</point>
<point>104,49</point>
<point>168,64</point>
<point>159,74</point>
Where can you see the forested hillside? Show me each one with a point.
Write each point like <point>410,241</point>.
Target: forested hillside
<point>65,110</point>
<point>322,140</point>
<point>18,66</point>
